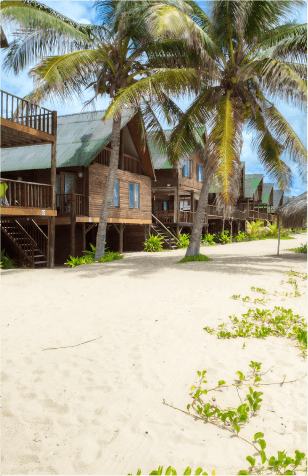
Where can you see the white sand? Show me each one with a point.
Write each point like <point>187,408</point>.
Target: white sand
<point>97,408</point>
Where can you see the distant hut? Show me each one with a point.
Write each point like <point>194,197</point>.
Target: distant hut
<point>277,198</point>
<point>293,214</point>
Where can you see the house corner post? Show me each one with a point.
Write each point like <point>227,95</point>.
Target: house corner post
<point>52,226</point>
<point>121,235</point>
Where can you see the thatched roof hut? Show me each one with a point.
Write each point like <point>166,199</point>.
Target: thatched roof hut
<point>294,213</point>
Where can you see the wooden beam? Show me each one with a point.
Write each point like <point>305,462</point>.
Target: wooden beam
<point>121,238</point>
<point>24,211</point>
<point>27,130</point>
<point>51,242</point>
<point>83,229</point>
<point>90,228</point>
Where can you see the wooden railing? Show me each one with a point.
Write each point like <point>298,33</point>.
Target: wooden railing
<point>23,241</point>
<point>23,112</point>
<point>70,204</point>
<point>130,164</point>
<point>212,211</point>
<point>36,234</point>
<point>25,194</point>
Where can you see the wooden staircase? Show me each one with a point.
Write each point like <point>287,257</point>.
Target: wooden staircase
<point>165,233</point>
<point>28,240</point>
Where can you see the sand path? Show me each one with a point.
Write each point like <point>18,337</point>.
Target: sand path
<point>97,408</point>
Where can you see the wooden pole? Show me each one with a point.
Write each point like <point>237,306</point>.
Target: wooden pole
<point>121,158</point>
<point>231,231</point>
<point>278,235</point>
<point>52,225</point>
<point>73,224</point>
<point>178,203</point>
<point>121,238</point>
<point>84,244</point>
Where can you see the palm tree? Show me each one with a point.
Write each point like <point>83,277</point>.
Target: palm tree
<point>106,58</point>
<point>246,59</point>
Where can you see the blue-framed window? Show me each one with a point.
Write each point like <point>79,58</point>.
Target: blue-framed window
<point>200,173</point>
<point>165,206</point>
<point>115,200</point>
<point>186,169</point>
<point>134,195</point>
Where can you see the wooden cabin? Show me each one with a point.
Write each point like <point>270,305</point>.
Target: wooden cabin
<point>83,155</point>
<point>267,198</point>
<point>176,191</point>
<point>277,198</point>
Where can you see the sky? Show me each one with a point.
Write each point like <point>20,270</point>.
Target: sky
<point>82,12</point>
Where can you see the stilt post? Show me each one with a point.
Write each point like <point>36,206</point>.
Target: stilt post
<point>121,234</point>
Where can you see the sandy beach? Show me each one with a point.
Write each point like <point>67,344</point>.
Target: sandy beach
<point>97,408</point>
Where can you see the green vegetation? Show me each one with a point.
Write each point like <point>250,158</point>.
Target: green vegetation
<point>300,249</point>
<point>6,261</point>
<point>208,239</point>
<point>89,257</point>
<point>195,258</point>
<point>183,240</point>
<point>153,244</point>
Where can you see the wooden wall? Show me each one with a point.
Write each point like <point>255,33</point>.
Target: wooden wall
<point>192,182</point>
<point>97,180</point>
<point>163,177</point>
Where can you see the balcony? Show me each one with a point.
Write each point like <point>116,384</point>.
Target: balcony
<point>24,123</point>
<point>21,198</point>
<point>70,204</point>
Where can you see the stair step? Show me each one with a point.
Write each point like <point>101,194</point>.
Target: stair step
<point>39,256</point>
<point>39,262</point>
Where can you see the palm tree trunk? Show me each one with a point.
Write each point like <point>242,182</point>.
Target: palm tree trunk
<point>109,189</point>
<point>194,243</point>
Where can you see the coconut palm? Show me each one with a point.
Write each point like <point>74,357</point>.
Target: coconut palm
<point>106,58</point>
<point>248,56</point>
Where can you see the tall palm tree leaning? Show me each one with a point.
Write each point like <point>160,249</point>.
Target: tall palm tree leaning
<point>107,58</point>
<point>248,57</point>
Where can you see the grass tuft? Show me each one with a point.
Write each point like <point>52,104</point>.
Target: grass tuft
<point>195,258</point>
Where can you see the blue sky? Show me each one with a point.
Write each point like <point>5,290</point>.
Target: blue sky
<point>82,12</point>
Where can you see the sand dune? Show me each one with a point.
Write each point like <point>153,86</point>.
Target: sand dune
<point>97,408</point>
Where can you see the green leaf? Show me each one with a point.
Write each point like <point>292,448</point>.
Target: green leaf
<point>263,457</point>
<point>262,444</point>
<point>258,435</point>
<point>221,382</point>
<point>168,470</point>
<point>188,407</point>
<point>188,470</point>
<point>138,472</point>
<point>198,471</point>
<point>289,472</point>
<point>251,460</point>
<point>241,375</point>
<point>243,472</point>
<point>271,461</point>
<point>236,427</point>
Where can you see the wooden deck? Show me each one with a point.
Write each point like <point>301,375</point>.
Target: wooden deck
<point>24,123</point>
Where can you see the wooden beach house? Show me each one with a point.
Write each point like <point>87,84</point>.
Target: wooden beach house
<point>277,198</point>
<point>83,155</point>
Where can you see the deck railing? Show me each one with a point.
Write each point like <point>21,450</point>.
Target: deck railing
<point>23,112</point>
<point>130,163</point>
<point>15,193</point>
<point>210,212</point>
<point>70,204</point>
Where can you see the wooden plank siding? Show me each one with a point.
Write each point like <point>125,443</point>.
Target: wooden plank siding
<point>191,183</point>
<point>97,180</point>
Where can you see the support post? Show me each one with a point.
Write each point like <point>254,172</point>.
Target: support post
<point>52,224</point>
<point>84,245</point>
<point>73,224</point>
<point>121,158</point>
<point>169,242</point>
<point>121,234</point>
<point>278,235</point>
<point>231,230</point>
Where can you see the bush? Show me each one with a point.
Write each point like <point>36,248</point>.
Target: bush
<point>255,229</point>
<point>111,256</point>
<point>90,258</point>
<point>153,244</point>
<point>184,240</point>
<point>208,239</point>
<point>195,258</point>
<point>223,237</point>
<point>300,249</point>
<point>6,261</point>
<point>241,236</point>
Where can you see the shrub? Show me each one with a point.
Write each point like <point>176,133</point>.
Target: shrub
<point>153,244</point>
<point>6,261</point>
<point>255,229</point>
<point>223,237</point>
<point>184,240</point>
<point>195,258</point>
<point>241,236</point>
<point>111,256</point>
<point>300,249</point>
<point>208,239</point>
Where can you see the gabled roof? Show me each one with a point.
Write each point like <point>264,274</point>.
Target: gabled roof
<point>251,184</point>
<point>293,213</point>
<point>80,138</point>
<point>3,41</point>
<point>277,197</point>
<point>266,193</point>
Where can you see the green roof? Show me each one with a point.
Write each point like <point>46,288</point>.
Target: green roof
<point>159,158</point>
<point>80,138</point>
<point>277,197</point>
<point>267,188</point>
<point>251,184</point>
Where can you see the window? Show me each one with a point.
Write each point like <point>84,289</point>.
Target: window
<point>133,195</point>
<point>200,173</point>
<point>184,205</point>
<point>186,169</point>
<point>165,206</point>
<point>115,200</point>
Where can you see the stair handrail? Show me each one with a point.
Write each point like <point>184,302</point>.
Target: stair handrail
<point>29,236</point>
<point>168,231</point>
<point>40,229</point>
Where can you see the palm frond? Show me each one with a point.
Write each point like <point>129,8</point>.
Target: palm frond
<point>30,12</point>
<point>293,47</point>
<point>65,74</point>
<point>153,88</point>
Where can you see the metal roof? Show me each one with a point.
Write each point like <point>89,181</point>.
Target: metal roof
<point>251,184</point>
<point>267,188</point>
<point>277,197</point>
<point>80,138</point>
